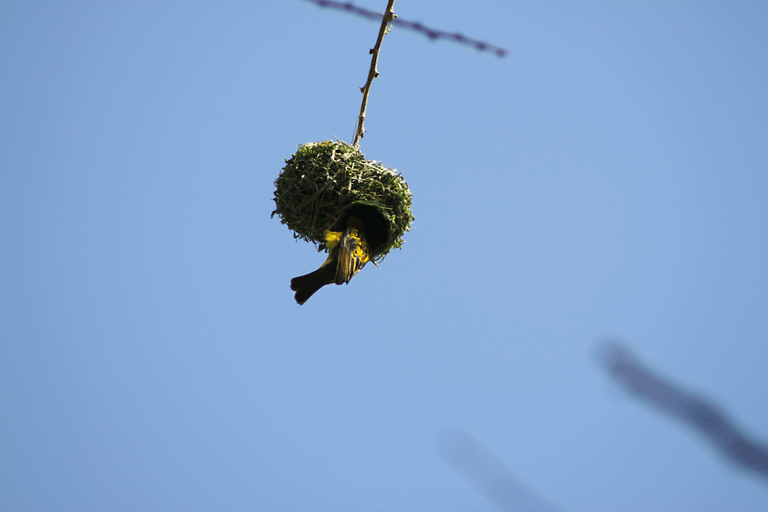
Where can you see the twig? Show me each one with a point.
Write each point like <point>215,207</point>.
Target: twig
<point>389,15</point>
<point>431,33</point>
<point>696,411</point>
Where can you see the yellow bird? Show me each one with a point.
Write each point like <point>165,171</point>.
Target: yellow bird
<point>347,255</point>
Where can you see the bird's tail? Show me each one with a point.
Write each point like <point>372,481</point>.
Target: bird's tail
<point>305,286</point>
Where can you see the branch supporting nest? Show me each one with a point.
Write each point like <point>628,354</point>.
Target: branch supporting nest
<point>389,15</point>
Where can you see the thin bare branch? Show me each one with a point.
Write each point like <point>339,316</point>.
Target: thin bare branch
<point>431,33</point>
<point>389,15</point>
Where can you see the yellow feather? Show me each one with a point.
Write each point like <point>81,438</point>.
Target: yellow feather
<point>353,253</point>
<point>332,238</point>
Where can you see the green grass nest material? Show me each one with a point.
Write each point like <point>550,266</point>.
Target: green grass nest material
<point>323,180</point>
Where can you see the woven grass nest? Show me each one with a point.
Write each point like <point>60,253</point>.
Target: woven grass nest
<point>324,181</point>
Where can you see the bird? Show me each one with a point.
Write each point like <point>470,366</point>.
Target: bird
<point>347,254</point>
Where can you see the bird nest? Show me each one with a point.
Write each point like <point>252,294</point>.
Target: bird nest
<point>324,181</point>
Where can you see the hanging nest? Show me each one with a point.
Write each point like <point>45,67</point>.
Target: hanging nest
<point>328,180</point>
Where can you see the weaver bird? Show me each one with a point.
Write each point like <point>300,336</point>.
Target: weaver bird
<point>347,255</point>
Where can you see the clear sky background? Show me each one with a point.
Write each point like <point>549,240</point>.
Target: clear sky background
<point>609,176</point>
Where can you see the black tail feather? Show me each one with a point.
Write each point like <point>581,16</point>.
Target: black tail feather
<point>306,286</point>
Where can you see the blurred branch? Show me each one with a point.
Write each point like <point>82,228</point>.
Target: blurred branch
<point>389,15</point>
<point>418,27</point>
<point>489,475</point>
<point>695,411</point>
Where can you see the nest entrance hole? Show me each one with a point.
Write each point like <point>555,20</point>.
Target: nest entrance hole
<point>375,224</point>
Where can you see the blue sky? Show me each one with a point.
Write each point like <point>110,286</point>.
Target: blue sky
<point>607,177</point>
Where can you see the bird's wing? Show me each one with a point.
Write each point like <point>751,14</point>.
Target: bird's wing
<point>352,255</point>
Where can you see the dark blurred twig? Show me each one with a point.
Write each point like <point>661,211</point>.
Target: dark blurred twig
<point>489,474</point>
<point>687,407</point>
<point>431,33</point>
